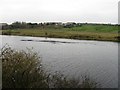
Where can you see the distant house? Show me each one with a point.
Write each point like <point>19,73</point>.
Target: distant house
<point>2,25</point>
<point>58,23</point>
<point>53,23</point>
<point>69,24</point>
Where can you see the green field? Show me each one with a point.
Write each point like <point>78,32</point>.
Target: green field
<point>83,32</point>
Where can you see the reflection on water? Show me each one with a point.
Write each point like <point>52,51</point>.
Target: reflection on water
<point>74,57</point>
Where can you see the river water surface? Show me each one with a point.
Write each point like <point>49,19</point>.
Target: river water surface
<point>74,58</point>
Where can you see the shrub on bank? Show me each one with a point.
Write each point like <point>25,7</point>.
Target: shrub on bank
<point>23,69</point>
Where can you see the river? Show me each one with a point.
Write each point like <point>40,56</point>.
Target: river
<point>73,57</point>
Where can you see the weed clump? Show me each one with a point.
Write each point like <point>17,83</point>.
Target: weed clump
<point>23,69</point>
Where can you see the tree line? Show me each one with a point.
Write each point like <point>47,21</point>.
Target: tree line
<point>23,25</point>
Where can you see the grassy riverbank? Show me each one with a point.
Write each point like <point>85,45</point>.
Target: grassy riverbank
<point>85,32</point>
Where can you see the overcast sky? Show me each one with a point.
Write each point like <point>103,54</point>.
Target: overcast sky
<point>97,11</point>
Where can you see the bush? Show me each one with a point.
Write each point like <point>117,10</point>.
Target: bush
<point>24,70</point>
